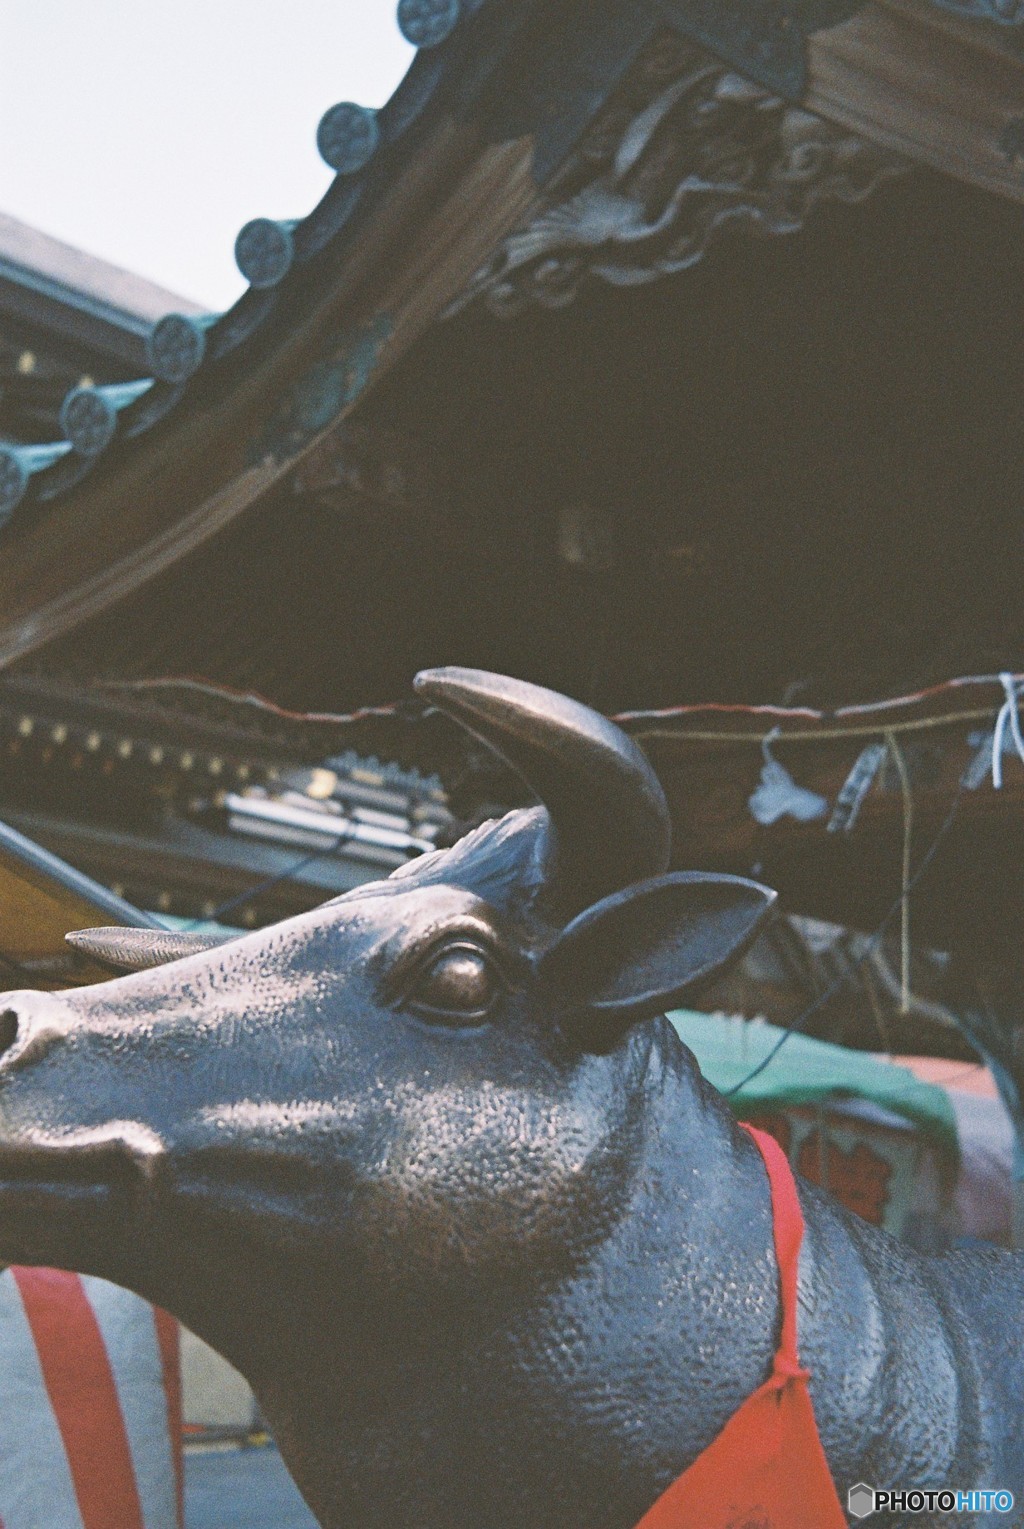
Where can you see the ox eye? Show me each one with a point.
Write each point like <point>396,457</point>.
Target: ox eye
<point>457,987</point>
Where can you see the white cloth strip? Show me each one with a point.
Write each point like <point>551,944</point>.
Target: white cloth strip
<point>1008,716</point>
<point>36,1489</point>
<point>128,1328</point>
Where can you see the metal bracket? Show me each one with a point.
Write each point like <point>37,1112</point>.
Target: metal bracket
<point>766,39</point>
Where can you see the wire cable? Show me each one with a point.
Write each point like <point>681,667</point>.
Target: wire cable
<point>272,881</point>
<point>870,947</point>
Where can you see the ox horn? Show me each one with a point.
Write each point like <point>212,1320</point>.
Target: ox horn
<point>135,950</point>
<point>609,815</point>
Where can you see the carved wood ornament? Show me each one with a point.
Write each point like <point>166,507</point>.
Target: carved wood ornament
<point>688,148</point>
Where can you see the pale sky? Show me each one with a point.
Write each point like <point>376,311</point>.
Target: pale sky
<point>148,131</point>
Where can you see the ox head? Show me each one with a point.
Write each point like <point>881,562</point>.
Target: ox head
<point>433,1080</point>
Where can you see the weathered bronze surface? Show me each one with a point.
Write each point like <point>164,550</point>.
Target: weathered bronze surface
<point>428,1166</point>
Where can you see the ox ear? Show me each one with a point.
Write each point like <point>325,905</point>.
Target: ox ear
<point>136,950</point>
<point>636,953</point>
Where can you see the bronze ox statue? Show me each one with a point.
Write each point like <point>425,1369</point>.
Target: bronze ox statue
<point>428,1166</point>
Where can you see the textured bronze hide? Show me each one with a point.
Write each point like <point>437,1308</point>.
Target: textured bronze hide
<point>428,1166</point>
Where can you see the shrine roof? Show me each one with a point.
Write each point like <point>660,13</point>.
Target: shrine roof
<point>427,190</point>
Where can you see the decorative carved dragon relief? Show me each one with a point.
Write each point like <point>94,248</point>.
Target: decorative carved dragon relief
<point>687,148</point>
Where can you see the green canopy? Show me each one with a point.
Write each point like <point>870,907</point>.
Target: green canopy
<point>806,1071</point>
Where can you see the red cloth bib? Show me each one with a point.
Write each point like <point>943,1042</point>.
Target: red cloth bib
<point>766,1469</point>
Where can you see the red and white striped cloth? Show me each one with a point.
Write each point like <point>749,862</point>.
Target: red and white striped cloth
<point>90,1406</point>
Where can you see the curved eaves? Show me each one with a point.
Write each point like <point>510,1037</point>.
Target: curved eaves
<point>179,344</point>
<point>151,466</point>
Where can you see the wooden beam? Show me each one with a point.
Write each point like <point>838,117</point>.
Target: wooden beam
<point>943,90</point>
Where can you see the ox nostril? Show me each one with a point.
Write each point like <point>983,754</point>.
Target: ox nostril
<point>8,1030</point>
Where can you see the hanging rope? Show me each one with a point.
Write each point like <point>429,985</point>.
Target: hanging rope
<point>899,759</point>
<point>870,947</point>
